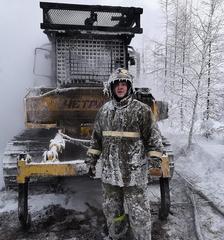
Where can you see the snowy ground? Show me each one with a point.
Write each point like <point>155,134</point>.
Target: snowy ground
<point>75,210</point>
<point>203,167</point>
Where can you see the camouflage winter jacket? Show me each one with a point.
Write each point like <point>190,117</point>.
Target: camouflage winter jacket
<point>124,134</point>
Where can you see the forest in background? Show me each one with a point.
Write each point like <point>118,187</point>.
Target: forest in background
<point>187,66</point>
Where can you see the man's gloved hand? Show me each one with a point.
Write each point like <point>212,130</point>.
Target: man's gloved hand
<point>91,165</point>
<point>92,171</point>
<point>155,162</point>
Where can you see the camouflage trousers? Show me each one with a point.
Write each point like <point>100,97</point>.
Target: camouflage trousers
<point>127,211</point>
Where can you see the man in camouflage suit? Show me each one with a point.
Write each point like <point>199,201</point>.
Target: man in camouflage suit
<point>125,136</point>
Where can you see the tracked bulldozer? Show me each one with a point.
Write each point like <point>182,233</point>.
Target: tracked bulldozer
<point>87,42</point>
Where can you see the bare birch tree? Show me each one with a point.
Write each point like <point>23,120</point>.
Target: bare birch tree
<point>191,60</point>
<point>206,27</point>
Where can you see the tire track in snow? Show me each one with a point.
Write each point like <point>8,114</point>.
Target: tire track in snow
<point>208,216</point>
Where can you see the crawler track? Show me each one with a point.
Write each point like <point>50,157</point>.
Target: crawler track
<point>34,142</point>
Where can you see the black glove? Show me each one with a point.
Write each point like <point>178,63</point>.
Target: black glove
<point>91,164</point>
<point>155,162</point>
<point>92,171</point>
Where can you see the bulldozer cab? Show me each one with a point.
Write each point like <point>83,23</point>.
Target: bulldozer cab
<point>87,42</point>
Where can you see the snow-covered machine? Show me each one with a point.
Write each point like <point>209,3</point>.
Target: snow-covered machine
<point>86,44</point>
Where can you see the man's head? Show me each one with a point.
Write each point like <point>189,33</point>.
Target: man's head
<point>120,84</point>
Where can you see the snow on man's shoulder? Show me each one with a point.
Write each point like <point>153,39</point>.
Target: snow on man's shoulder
<point>107,106</point>
<point>141,105</point>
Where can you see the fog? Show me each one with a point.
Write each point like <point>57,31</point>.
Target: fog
<point>21,33</point>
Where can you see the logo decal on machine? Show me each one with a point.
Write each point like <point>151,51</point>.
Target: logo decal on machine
<point>80,104</point>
